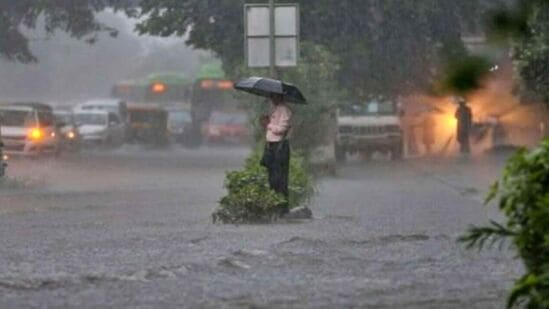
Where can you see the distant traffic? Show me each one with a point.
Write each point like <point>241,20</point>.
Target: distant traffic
<point>158,111</point>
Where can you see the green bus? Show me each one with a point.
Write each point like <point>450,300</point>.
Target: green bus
<point>209,92</point>
<point>164,88</point>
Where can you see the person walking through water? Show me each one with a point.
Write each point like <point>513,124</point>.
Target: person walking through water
<point>276,156</point>
<point>464,118</point>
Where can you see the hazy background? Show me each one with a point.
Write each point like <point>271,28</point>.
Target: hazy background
<point>69,70</point>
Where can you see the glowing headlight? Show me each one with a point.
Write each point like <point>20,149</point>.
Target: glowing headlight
<point>36,134</point>
<point>71,135</point>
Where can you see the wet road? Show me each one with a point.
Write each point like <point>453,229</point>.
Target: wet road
<point>132,230</point>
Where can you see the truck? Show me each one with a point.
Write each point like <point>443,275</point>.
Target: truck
<point>369,127</point>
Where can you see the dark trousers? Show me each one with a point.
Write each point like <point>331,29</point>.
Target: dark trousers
<point>276,158</point>
<point>464,147</point>
<point>464,143</point>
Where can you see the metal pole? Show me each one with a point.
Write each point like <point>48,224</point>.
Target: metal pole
<point>272,68</point>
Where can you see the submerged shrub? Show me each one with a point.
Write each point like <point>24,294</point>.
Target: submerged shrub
<point>524,200</point>
<point>249,198</point>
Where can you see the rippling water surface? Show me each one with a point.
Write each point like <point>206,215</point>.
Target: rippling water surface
<point>132,229</point>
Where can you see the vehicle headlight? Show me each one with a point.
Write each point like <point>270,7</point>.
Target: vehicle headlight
<point>71,135</point>
<point>35,134</point>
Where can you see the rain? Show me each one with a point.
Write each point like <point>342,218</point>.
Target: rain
<point>273,154</point>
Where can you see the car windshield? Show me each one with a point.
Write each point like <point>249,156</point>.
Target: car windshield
<point>91,119</point>
<point>14,118</point>
<point>371,108</point>
<point>179,117</point>
<point>224,118</point>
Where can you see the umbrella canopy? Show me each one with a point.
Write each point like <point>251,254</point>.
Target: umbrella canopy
<point>267,87</point>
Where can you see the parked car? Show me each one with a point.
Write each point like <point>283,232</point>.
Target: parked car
<point>28,129</point>
<point>226,128</point>
<point>99,128</point>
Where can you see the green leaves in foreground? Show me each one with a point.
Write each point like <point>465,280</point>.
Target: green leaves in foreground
<point>479,237</point>
<point>524,200</point>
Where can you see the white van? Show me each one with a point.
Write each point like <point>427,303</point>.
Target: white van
<point>99,128</point>
<point>120,108</point>
<point>28,129</point>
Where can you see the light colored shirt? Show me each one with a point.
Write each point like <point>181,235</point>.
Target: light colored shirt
<point>279,123</point>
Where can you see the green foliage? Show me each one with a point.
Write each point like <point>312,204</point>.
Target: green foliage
<point>249,198</point>
<point>531,51</point>
<point>526,29</point>
<point>524,200</point>
<point>385,47</point>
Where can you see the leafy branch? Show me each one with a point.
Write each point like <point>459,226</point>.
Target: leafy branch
<point>524,200</point>
<point>478,237</point>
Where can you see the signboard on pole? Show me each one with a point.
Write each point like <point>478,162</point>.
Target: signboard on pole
<point>284,32</point>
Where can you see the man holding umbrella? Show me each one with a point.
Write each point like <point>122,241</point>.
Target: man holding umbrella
<point>276,157</point>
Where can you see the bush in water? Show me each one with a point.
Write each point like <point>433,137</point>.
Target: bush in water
<point>249,198</point>
<point>524,200</point>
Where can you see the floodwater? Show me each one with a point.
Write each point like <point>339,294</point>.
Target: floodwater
<point>132,229</point>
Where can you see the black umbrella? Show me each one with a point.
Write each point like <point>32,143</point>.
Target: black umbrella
<point>267,87</point>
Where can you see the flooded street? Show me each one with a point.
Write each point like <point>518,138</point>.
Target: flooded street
<point>130,134</point>
<point>132,229</point>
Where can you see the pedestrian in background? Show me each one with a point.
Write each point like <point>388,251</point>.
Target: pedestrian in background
<point>464,118</point>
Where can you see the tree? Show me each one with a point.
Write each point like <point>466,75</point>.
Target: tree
<point>74,17</point>
<point>523,194</point>
<point>214,25</point>
<point>386,47</point>
<point>526,28</point>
